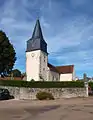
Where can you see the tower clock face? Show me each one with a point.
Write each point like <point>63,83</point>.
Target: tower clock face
<point>32,54</point>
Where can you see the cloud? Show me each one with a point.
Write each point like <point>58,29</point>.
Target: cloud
<point>79,2</point>
<point>76,35</point>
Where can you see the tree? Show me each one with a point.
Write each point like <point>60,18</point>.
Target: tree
<point>7,55</point>
<point>16,73</point>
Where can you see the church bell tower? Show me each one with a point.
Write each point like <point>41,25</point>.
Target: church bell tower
<point>36,56</point>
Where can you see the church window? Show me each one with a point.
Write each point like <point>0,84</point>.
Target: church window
<point>40,59</point>
<point>53,78</point>
<point>44,58</point>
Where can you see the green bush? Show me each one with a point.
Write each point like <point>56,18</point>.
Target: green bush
<point>90,85</point>
<point>42,84</point>
<point>32,80</point>
<point>44,96</point>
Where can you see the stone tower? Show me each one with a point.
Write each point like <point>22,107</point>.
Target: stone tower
<point>36,56</point>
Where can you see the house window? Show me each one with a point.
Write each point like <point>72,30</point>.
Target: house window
<point>43,69</point>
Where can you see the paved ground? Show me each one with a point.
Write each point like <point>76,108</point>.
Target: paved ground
<point>63,109</point>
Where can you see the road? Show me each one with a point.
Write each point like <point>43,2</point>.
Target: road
<point>61,109</point>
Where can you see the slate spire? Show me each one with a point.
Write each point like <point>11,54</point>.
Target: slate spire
<point>37,42</point>
<point>37,33</point>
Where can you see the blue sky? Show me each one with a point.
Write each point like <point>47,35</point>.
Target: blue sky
<point>67,27</point>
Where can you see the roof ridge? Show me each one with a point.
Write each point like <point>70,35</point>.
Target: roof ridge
<point>64,65</point>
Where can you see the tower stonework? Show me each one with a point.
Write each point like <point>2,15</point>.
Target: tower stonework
<point>36,56</point>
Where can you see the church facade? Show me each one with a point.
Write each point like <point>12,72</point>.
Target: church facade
<point>37,66</point>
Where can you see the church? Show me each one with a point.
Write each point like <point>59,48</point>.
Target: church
<point>37,66</point>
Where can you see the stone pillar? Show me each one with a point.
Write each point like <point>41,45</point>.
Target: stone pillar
<point>86,86</point>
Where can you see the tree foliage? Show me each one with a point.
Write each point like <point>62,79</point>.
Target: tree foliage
<point>7,54</point>
<point>16,73</point>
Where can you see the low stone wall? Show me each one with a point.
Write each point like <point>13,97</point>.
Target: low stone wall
<point>30,93</point>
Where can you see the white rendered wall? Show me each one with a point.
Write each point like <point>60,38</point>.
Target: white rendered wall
<point>66,77</point>
<point>32,65</point>
<point>53,76</point>
<point>35,65</point>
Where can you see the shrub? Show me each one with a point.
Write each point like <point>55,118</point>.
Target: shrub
<point>44,95</point>
<point>90,85</point>
<point>32,80</point>
<point>42,84</point>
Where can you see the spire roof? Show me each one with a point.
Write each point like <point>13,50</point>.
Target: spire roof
<point>37,33</point>
<point>37,42</point>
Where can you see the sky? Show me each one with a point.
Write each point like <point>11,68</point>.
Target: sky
<point>67,27</point>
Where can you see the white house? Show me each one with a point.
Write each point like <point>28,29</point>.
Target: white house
<point>37,66</point>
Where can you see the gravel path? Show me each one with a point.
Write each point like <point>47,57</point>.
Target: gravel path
<point>61,109</point>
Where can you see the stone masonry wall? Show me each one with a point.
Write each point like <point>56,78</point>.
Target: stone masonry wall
<point>30,93</point>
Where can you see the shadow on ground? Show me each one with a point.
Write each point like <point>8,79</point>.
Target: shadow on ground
<point>36,111</point>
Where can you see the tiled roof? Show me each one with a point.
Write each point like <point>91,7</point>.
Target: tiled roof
<point>9,78</point>
<point>61,69</point>
<point>65,69</point>
<point>52,68</point>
